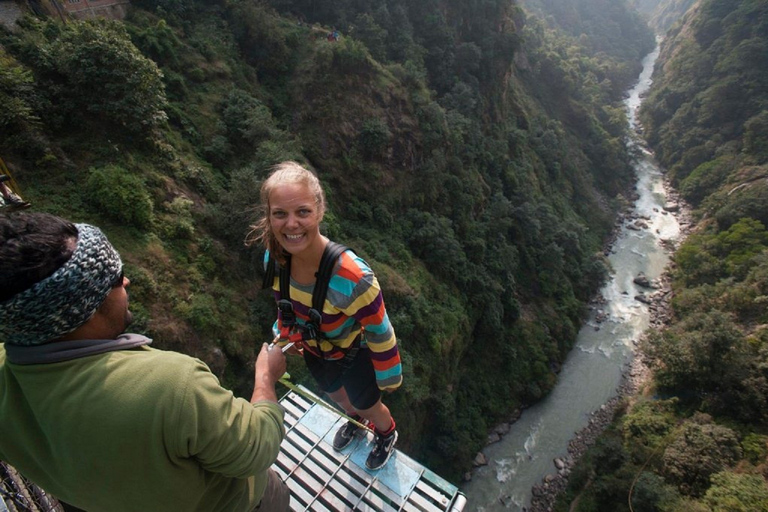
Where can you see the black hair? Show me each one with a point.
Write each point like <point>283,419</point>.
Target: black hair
<point>32,247</point>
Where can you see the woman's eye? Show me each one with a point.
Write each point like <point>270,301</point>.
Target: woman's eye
<point>278,215</point>
<point>304,212</point>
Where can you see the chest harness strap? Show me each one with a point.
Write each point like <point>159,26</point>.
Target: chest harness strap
<point>291,329</point>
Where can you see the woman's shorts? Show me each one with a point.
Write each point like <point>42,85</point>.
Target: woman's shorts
<point>356,376</point>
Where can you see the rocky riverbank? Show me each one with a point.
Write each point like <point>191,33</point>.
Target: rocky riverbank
<point>636,374</point>
<point>657,296</point>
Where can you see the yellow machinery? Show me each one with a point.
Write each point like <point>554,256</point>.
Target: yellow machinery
<point>11,198</point>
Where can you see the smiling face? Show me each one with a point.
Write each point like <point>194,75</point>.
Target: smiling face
<point>294,218</point>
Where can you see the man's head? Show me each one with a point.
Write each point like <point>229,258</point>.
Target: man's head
<point>54,277</point>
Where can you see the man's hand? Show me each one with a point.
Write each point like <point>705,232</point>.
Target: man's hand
<point>269,367</point>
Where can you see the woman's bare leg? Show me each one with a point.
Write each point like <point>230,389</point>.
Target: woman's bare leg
<point>378,414</point>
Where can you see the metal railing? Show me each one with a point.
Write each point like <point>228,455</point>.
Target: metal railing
<point>17,494</point>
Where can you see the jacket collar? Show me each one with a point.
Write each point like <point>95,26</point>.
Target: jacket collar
<point>59,351</point>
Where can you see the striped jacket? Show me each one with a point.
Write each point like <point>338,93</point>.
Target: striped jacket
<point>354,303</point>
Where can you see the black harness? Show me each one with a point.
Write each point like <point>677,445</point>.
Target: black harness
<point>310,330</point>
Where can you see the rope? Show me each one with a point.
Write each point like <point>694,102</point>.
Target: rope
<point>640,472</point>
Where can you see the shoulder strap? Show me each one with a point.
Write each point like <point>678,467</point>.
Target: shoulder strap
<point>269,273</point>
<point>284,273</point>
<point>323,277</point>
<point>285,279</point>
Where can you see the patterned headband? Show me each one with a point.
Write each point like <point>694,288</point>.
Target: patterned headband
<point>66,299</point>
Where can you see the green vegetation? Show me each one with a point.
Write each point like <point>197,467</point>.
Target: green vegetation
<point>471,153</point>
<point>703,447</point>
<point>662,14</point>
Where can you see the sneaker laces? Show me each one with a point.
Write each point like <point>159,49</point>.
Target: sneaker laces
<point>380,441</point>
<point>349,429</point>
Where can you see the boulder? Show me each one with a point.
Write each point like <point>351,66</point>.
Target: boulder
<point>480,460</point>
<point>502,429</point>
<point>641,297</point>
<point>642,280</point>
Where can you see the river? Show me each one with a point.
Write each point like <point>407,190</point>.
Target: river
<point>593,370</point>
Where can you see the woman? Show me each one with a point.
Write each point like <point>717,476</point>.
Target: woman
<point>353,356</point>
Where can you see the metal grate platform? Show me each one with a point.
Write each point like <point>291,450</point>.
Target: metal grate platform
<point>322,479</point>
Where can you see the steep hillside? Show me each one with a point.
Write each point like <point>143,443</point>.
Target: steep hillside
<point>607,29</point>
<point>662,14</point>
<point>710,89</point>
<point>471,154</point>
<point>696,440</point>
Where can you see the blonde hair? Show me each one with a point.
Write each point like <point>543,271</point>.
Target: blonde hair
<point>284,173</point>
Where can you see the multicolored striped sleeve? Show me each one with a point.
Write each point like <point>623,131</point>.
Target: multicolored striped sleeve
<point>367,307</point>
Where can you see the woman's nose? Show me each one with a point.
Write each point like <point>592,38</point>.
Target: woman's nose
<point>292,220</point>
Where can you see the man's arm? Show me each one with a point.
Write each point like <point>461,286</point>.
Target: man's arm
<point>229,435</point>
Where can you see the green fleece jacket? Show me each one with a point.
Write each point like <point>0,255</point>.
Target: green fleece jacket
<point>137,430</point>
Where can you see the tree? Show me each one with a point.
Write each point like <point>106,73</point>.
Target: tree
<point>247,120</point>
<point>19,116</point>
<point>695,262</point>
<point>651,492</point>
<point>733,492</point>
<point>369,32</point>
<point>756,136</point>
<point>702,354</point>
<point>700,450</point>
<point>107,75</point>
<point>740,243</point>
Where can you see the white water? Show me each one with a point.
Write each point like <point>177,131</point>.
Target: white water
<point>592,372</point>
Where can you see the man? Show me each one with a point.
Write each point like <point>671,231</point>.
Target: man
<point>98,418</point>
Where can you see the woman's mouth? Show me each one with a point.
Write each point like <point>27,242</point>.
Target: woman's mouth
<point>293,238</point>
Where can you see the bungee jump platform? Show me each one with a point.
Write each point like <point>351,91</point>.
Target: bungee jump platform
<point>322,479</point>
<point>319,478</point>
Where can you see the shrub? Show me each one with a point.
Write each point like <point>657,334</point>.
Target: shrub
<point>374,137</point>
<point>351,57</point>
<point>178,223</point>
<point>755,449</point>
<point>120,195</point>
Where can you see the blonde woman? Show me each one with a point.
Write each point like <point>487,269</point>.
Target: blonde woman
<point>352,353</point>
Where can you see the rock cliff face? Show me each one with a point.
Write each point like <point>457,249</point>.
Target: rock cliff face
<point>10,12</point>
<point>88,9</point>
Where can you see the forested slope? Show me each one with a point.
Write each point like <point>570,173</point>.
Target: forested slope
<point>473,154</point>
<point>697,441</point>
<point>662,14</point>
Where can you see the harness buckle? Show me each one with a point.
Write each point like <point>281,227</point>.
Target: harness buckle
<point>286,311</point>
